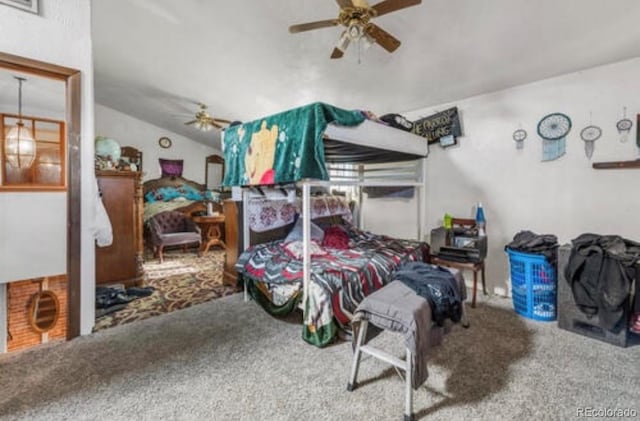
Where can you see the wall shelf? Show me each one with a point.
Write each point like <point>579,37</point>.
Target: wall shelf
<point>616,164</point>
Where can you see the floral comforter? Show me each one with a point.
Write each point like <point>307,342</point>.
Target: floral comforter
<point>340,278</point>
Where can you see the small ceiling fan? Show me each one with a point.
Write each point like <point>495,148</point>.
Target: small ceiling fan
<point>355,16</point>
<point>206,122</point>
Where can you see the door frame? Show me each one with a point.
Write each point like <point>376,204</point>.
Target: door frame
<point>72,79</point>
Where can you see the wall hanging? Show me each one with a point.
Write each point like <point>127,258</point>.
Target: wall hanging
<point>27,5</point>
<point>553,129</point>
<point>519,136</point>
<point>590,134</point>
<point>624,126</point>
<point>439,125</point>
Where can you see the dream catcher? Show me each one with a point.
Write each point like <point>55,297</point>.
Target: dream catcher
<point>590,134</point>
<point>553,129</point>
<point>624,126</point>
<point>519,136</point>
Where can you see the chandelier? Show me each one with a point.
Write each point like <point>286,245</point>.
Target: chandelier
<point>19,147</point>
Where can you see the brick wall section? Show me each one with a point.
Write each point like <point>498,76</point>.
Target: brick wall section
<point>19,296</point>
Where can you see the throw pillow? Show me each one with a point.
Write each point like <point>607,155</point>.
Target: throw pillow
<point>171,167</point>
<point>296,232</point>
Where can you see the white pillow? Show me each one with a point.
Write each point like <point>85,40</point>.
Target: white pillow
<point>295,234</point>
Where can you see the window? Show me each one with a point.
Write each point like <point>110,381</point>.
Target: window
<point>47,172</point>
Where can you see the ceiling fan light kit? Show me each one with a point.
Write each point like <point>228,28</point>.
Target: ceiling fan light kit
<point>343,42</point>
<point>204,126</point>
<point>356,16</point>
<point>367,41</point>
<point>204,121</point>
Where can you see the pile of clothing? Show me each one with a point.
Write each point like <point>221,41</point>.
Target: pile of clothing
<point>436,285</point>
<point>601,271</point>
<point>404,304</point>
<point>114,298</point>
<point>532,243</point>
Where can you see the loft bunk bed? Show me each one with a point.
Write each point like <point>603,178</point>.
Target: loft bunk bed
<point>298,148</point>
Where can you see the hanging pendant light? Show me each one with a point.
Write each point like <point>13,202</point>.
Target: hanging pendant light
<point>19,147</point>
<point>204,125</point>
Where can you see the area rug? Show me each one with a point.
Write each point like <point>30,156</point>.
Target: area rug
<point>181,281</point>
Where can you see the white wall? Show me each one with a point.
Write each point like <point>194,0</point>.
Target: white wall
<point>129,131</point>
<point>60,34</point>
<point>565,197</point>
<point>396,217</point>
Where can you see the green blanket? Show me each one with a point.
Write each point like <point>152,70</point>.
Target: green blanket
<point>282,148</point>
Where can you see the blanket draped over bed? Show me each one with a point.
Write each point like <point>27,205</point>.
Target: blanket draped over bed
<point>282,148</point>
<point>340,279</point>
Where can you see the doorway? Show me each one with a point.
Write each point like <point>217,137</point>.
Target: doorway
<point>72,81</point>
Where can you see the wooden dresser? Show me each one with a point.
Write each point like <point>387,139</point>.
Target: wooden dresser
<point>233,239</point>
<point>121,262</point>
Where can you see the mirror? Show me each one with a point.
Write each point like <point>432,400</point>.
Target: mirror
<point>32,124</point>
<point>214,172</point>
<point>130,158</point>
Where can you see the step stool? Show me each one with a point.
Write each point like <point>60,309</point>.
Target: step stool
<point>386,357</point>
<point>409,306</point>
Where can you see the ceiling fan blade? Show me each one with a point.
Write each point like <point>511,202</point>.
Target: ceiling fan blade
<point>344,3</point>
<point>216,125</point>
<point>221,121</point>
<point>382,37</point>
<point>313,25</point>
<point>337,53</point>
<point>191,122</point>
<point>389,6</point>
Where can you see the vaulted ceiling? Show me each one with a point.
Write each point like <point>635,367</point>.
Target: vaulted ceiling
<point>155,59</point>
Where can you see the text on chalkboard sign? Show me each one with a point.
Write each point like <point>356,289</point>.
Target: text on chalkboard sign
<point>433,127</point>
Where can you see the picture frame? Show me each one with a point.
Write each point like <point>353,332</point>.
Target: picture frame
<point>31,6</point>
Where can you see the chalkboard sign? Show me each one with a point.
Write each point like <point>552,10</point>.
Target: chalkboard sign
<point>438,125</point>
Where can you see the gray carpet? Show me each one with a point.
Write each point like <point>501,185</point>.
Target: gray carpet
<point>227,359</point>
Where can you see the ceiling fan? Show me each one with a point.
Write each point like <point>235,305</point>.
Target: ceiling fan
<point>355,16</point>
<point>206,122</point>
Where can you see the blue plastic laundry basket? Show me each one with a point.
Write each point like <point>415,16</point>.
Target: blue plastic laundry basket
<point>533,285</point>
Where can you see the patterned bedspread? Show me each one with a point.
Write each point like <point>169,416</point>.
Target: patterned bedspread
<point>153,208</point>
<point>340,279</point>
